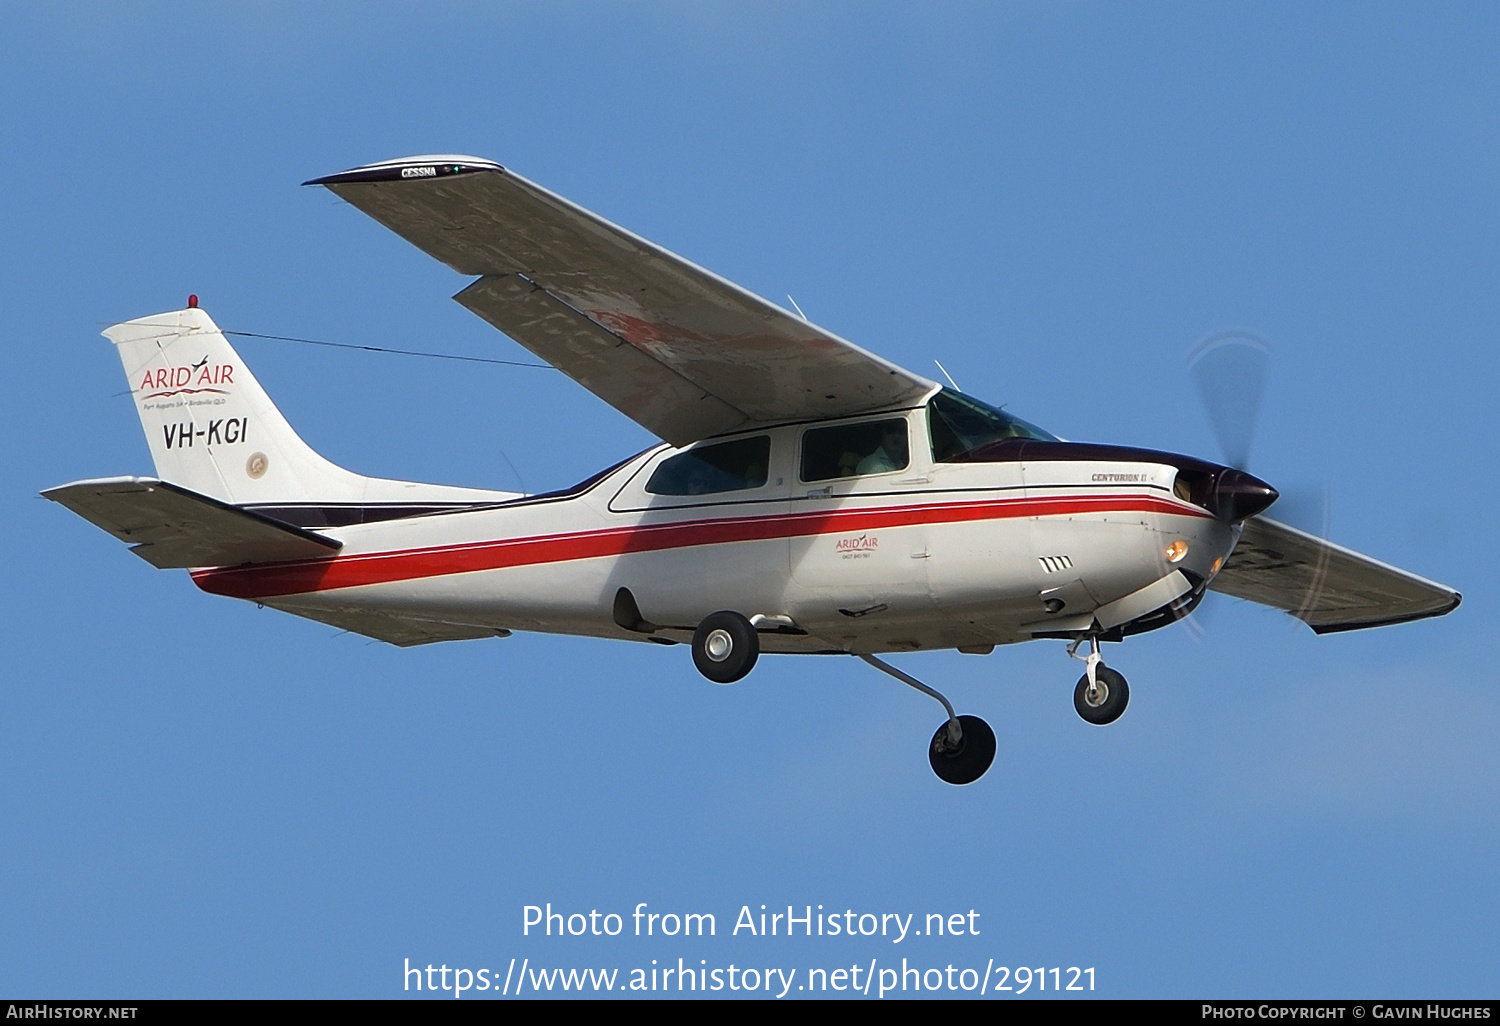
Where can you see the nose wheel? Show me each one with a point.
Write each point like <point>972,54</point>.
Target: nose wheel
<point>1103,700</point>
<point>1101,694</point>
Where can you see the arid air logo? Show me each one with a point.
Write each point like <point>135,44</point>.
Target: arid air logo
<point>160,382</point>
<point>856,545</point>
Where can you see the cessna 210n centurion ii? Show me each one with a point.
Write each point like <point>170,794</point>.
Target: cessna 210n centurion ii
<point>809,496</point>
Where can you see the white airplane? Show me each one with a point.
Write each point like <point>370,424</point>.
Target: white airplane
<point>809,496</point>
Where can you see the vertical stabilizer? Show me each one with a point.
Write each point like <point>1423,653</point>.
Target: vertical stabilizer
<point>213,430</point>
<point>210,425</point>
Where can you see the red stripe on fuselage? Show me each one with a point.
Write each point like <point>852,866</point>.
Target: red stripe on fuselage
<point>295,578</point>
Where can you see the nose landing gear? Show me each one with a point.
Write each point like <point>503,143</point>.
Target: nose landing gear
<point>1104,700</point>
<point>1101,694</point>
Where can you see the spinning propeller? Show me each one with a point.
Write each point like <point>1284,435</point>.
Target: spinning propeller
<point>1230,369</point>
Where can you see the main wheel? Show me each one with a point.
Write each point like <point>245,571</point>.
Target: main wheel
<point>965,762</point>
<point>725,647</point>
<point>1106,701</point>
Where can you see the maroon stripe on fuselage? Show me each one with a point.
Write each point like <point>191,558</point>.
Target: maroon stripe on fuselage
<point>294,578</point>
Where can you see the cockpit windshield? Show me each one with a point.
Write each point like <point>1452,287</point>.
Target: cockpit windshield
<point>960,424</point>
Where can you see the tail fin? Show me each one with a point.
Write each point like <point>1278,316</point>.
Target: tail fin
<point>212,428</point>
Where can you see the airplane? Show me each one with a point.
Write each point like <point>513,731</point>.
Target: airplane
<point>807,496</point>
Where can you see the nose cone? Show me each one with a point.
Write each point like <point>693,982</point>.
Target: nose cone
<point>1237,496</point>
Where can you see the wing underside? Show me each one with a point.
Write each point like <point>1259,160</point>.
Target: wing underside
<point>678,349</point>
<point>398,629</point>
<point>1326,586</point>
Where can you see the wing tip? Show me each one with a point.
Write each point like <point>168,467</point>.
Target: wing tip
<point>1357,625</point>
<point>432,165</point>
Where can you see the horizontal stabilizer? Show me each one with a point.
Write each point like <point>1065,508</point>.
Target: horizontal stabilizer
<point>170,527</point>
<point>1324,585</point>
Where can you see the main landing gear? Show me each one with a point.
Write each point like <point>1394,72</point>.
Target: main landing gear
<point>1101,694</point>
<point>963,748</point>
<point>725,647</point>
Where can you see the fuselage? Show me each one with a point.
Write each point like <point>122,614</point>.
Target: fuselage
<point>867,534</point>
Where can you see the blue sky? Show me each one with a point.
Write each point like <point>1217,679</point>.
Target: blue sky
<point>1055,200</point>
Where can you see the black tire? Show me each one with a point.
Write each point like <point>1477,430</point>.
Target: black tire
<point>725,647</point>
<point>968,761</point>
<point>1105,708</point>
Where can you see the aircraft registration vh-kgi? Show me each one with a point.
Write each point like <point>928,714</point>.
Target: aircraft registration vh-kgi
<point>809,497</point>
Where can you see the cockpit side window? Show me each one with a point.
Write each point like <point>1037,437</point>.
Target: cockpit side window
<point>722,467</point>
<point>852,450</point>
<point>960,424</point>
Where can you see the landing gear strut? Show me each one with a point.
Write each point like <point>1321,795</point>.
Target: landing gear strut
<point>1101,694</point>
<point>963,747</point>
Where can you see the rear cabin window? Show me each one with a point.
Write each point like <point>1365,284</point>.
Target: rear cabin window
<point>852,450</point>
<point>723,467</point>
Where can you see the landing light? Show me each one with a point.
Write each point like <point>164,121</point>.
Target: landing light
<point>1176,551</point>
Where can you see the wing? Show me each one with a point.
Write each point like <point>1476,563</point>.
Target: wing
<point>169,526</point>
<point>676,348</point>
<point>395,628</point>
<point>1327,587</point>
